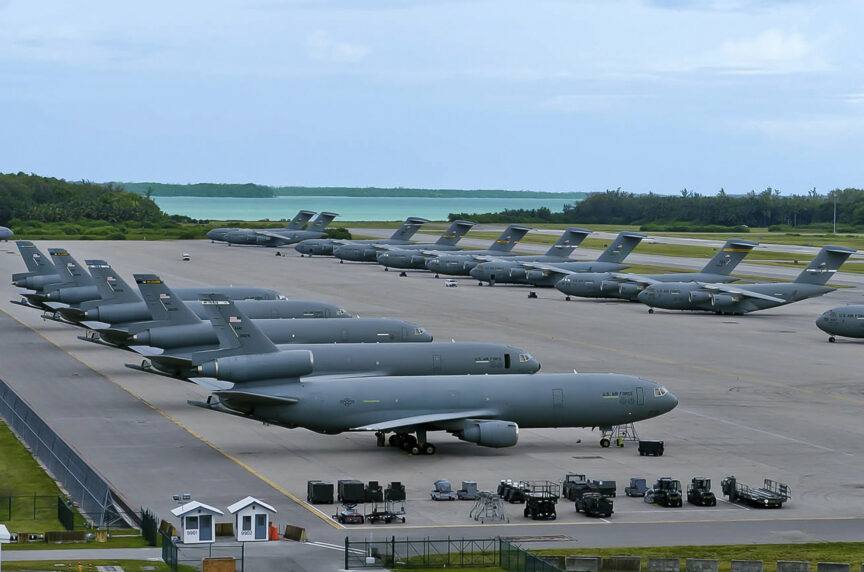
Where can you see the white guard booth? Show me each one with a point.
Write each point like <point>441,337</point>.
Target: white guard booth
<point>251,519</point>
<point>196,522</point>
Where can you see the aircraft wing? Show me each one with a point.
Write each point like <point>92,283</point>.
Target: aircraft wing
<point>547,268</point>
<point>424,419</point>
<point>271,234</point>
<point>637,278</point>
<point>739,291</point>
<point>255,398</point>
<point>430,252</point>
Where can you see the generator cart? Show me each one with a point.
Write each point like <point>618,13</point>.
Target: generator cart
<point>637,487</point>
<point>594,504</point>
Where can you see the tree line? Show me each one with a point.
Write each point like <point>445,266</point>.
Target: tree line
<point>31,197</point>
<point>765,209</point>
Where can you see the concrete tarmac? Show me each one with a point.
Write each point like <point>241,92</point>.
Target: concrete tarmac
<point>761,395</point>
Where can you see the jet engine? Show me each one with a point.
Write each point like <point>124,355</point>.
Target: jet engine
<point>489,433</point>
<point>724,299</point>
<point>117,313</point>
<point>609,285</point>
<point>295,363</point>
<point>628,289</point>
<point>72,294</point>
<point>177,336</point>
<point>698,296</point>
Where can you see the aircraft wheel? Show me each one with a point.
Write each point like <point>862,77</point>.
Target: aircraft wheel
<point>341,261</point>
<point>604,442</point>
<point>414,449</point>
<point>403,275</point>
<point>436,275</point>
<point>428,449</point>
<point>566,298</point>
<point>832,339</point>
<point>650,310</point>
<point>492,282</point>
<point>386,269</point>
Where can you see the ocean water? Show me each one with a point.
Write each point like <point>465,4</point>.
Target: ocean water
<point>349,208</point>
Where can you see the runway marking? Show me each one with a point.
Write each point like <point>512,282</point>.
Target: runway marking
<point>778,435</point>
<point>665,361</point>
<point>227,455</point>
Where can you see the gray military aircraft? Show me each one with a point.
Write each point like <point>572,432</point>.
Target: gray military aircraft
<point>6,233</point>
<point>843,321</point>
<point>246,354</point>
<point>40,270</point>
<point>628,286</point>
<point>120,304</point>
<point>175,325</point>
<point>548,273</point>
<point>482,409</point>
<point>367,250</point>
<point>328,246</point>
<point>459,263</point>
<point>728,299</point>
<point>296,223</point>
<point>280,237</point>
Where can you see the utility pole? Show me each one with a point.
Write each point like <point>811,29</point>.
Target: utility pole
<point>835,212</point>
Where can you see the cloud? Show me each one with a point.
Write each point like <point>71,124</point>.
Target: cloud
<point>854,98</point>
<point>323,47</point>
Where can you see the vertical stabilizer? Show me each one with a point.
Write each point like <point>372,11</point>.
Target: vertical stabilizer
<point>568,242</point>
<point>69,269</point>
<point>509,238</point>
<point>826,263</point>
<point>411,225</point>
<point>300,220</point>
<point>37,263</point>
<point>729,255</point>
<point>233,328</point>
<point>455,233</point>
<point>621,247</point>
<point>321,221</point>
<point>163,304</point>
<point>112,288</point>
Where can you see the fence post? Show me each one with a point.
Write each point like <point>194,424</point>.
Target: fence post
<point>346,553</point>
<point>34,506</point>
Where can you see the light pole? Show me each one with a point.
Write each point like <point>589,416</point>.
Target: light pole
<point>835,212</point>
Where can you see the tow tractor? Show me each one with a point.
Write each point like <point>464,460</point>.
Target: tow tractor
<point>349,514</point>
<point>666,492</point>
<point>699,492</point>
<point>594,504</point>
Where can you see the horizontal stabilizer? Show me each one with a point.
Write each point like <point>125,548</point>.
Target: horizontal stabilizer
<point>172,361</point>
<point>252,398</point>
<point>60,307</point>
<point>147,351</point>
<point>424,420</point>
<point>98,326</point>
<point>212,383</point>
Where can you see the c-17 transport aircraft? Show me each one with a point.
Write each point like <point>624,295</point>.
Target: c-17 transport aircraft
<point>174,325</point>
<point>296,223</point>
<point>412,257</point>
<point>628,286</point>
<point>245,354</point>
<point>843,321</point>
<point>328,246</point>
<point>540,272</point>
<point>5,233</point>
<point>488,410</point>
<point>280,237</point>
<point>728,299</point>
<point>367,250</point>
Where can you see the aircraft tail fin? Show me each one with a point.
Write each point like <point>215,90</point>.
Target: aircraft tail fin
<point>455,233</point>
<point>567,242</point>
<point>509,238</point>
<point>621,247</point>
<point>321,221</point>
<point>37,263</point>
<point>112,288</point>
<point>163,304</point>
<point>411,225</point>
<point>826,263</point>
<point>69,268</point>
<point>233,328</point>
<point>729,255</point>
<point>300,220</point>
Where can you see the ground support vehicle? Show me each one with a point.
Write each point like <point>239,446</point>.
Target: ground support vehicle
<point>594,504</point>
<point>540,500</point>
<point>574,485</point>
<point>443,491</point>
<point>489,507</point>
<point>771,495</point>
<point>387,512</point>
<point>468,491</point>
<point>699,492</point>
<point>651,448</point>
<point>349,514</point>
<point>512,491</point>
<point>636,488</point>
<point>666,492</point>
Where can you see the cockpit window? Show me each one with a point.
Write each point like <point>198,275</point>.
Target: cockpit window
<point>524,357</point>
<point>341,312</point>
<point>660,391</point>
<point>419,331</point>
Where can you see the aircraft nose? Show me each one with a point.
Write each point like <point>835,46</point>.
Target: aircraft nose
<point>645,295</point>
<point>671,401</point>
<point>476,272</point>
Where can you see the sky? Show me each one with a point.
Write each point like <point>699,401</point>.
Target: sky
<point>547,95</point>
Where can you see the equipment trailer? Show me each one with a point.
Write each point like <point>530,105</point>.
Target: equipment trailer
<point>540,500</point>
<point>771,495</point>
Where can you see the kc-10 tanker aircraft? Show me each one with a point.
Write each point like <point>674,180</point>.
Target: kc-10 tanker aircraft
<point>728,299</point>
<point>628,286</point>
<point>296,223</point>
<point>487,410</point>
<point>245,354</point>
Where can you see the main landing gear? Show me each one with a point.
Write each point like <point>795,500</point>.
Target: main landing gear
<point>606,439</point>
<point>407,442</point>
<point>650,310</point>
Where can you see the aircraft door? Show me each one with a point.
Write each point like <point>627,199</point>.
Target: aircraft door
<point>436,364</point>
<point>506,361</point>
<point>640,396</point>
